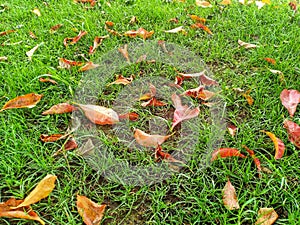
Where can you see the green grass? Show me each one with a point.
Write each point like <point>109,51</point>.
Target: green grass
<point>193,195</point>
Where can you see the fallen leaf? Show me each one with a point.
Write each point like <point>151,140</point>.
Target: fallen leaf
<point>132,116</point>
<point>60,109</point>
<point>279,145</point>
<point>190,75</point>
<point>229,197</point>
<point>153,102</point>
<point>199,93</point>
<point>3,58</point>
<point>255,159</point>
<point>293,130</point>
<point>259,4</point>
<point>232,130</point>
<point>113,32</point>
<point>290,100</point>
<point>37,12</point>
<point>45,80</point>
<point>197,18</point>
<point>225,2</point>
<point>177,30</point>
<point>207,81</point>
<point>226,152</point>
<point>32,35</point>
<point>70,145</point>
<point>52,137</point>
<point>160,155</point>
<point>21,213</point>
<point>150,94</point>
<point>249,99</point>
<point>109,23</point>
<point>124,52</point>
<point>91,212</point>
<point>86,149</point>
<point>246,45</point>
<point>122,80</point>
<point>276,72</point>
<point>201,26</point>
<point>74,40</point>
<point>133,20</point>
<point>97,42</point>
<point>91,2</point>
<point>24,101</point>
<point>179,80</point>
<point>99,115</point>
<point>3,33</point>
<point>88,66</point>
<point>182,112</point>
<point>55,28</point>
<point>42,190</point>
<point>148,140</point>
<point>141,32</point>
<point>203,4</point>
<point>31,52</point>
<point>266,216</point>
<point>67,64</point>
<point>174,20</point>
<point>270,60</point>
<point>293,5</point>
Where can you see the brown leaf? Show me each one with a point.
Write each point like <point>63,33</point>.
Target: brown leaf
<point>124,52</point>
<point>197,18</point>
<point>100,115</point>
<point>293,5</point>
<point>113,32</point>
<point>200,93</point>
<point>201,26</point>
<point>148,140</point>
<point>160,155</point>
<point>122,80</point>
<point>74,40</point>
<point>88,66</point>
<point>290,100</point>
<point>32,35</point>
<point>42,190</point>
<point>52,137</point>
<point>293,130</point>
<point>67,64</point>
<point>24,101</point>
<point>203,4</point>
<point>266,216</point>
<point>133,20</point>
<point>226,152</point>
<point>91,212</point>
<point>70,145</point>
<point>55,28</point>
<point>60,109</point>
<point>45,80</point>
<point>246,45</point>
<point>207,81</point>
<point>132,116</point>
<point>141,32</point>
<point>229,197</point>
<point>3,33</point>
<point>249,99</point>
<point>97,42</point>
<point>279,145</point>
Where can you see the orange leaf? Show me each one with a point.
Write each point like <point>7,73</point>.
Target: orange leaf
<point>226,152</point>
<point>199,92</point>
<point>113,32</point>
<point>92,2</point>
<point>45,80</point>
<point>279,145</point>
<point>100,115</point>
<point>159,154</point>
<point>270,60</point>
<point>197,18</point>
<point>290,100</point>
<point>52,137</point>
<point>3,33</point>
<point>21,213</point>
<point>132,116</point>
<point>55,28</point>
<point>67,64</point>
<point>91,212</point>
<point>148,140</point>
<point>24,101</point>
<point>229,197</point>
<point>74,40</point>
<point>42,190</point>
<point>124,52</point>
<point>225,2</point>
<point>255,159</point>
<point>293,130</point>
<point>266,216</point>
<point>201,26</point>
<point>141,32</point>
<point>88,66</point>
<point>203,4</point>
<point>109,23</point>
<point>153,102</point>
<point>122,80</point>
<point>97,42</point>
<point>60,109</point>
<point>249,99</point>
<point>246,45</point>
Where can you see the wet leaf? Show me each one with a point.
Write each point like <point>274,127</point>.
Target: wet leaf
<point>246,45</point>
<point>52,137</point>
<point>293,131</point>
<point>132,116</point>
<point>203,4</point>
<point>88,66</point>
<point>55,28</point>
<point>255,159</point>
<point>97,42</point>
<point>124,52</point>
<point>266,216</point>
<point>37,12</point>
<point>148,140</point>
<point>249,99</point>
<point>31,52</point>
<point>229,197</point>
<point>45,80</point>
<point>201,26</point>
<point>226,152</point>
<point>279,145</point>
<point>74,40</point>
<point>290,100</point>
<point>182,112</point>
<point>232,130</point>
<point>91,212</point>
<point>67,64</point>
<point>270,60</point>
<point>60,108</point>
<point>122,80</point>
<point>24,101</point>
<point>197,18</point>
<point>177,30</point>
<point>100,115</point>
<point>3,33</point>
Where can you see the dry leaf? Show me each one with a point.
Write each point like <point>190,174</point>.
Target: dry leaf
<point>31,52</point>
<point>67,64</point>
<point>141,32</point>
<point>100,115</point>
<point>190,75</point>
<point>276,72</point>
<point>45,80</point>
<point>197,18</point>
<point>207,81</point>
<point>232,130</point>
<point>24,101</point>
<point>88,66</point>
<point>226,152</point>
<point>229,197</point>
<point>225,2</point>
<point>113,32</point>
<point>52,137</point>
<point>124,52</point>
<point>174,20</point>
<point>249,99</point>
<point>203,4</point>
<point>290,100</point>
<point>153,102</point>
<point>255,159</point>
<point>199,93</point>
<point>279,145</point>
<point>60,108</point>
<point>148,140</point>
<point>266,216</point>
<point>122,80</point>
<point>109,23</point>
<point>201,26</point>
<point>32,35</point>
<point>132,116</point>
<point>74,40</point>
<point>70,145</point>
<point>36,11</point>
<point>160,155</point>
<point>177,30</point>
<point>293,130</point>
<point>246,45</point>
<point>293,5</point>
<point>3,33</point>
<point>55,28</point>
<point>270,60</point>
<point>91,212</point>
<point>97,42</point>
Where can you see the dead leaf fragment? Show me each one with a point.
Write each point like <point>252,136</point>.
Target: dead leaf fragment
<point>45,80</point>
<point>199,93</point>
<point>225,2</point>
<point>133,20</point>
<point>52,137</point>
<point>132,116</point>
<point>37,12</point>
<point>32,35</point>
<point>249,99</point>
<point>293,5</point>
<point>88,66</point>
<point>3,58</point>
<point>109,23</point>
<point>203,4</point>
<point>229,197</point>
<point>67,64</point>
<point>290,100</point>
<point>74,40</point>
<point>124,52</point>
<point>278,144</point>
<point>153,102</point>
<point>3,33</point>
<point>148,140</point>
<point>197,18</point>
<point>232,129</point>
<point>97,42</point>
<point>31,52</point>
<point>160,155</point>
<point>122,80</point>
<point>113,32</point>
<point>266,216</point>
<point>86,149</point>
<point>141,32</point>
<point>201,26</point>
<point>174,20</point>
<point>270,60</point>
<point>55,28</point>
<point>246,45</point>
<point>91,212</point>
<point>177,30</point>
<point>226,152</point>
<point>24,101</point>
<point>293,130</point>
<point>60,109</point>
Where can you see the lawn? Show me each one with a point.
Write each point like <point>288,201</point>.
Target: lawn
<point>191,193</point>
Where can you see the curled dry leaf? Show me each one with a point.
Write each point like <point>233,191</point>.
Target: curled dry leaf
<point>3,33</point>
<point>203,4</point>
<point>148,140</point>
<point>24,101</point>
<point>99,115</point>
<point>67,64</point>
<point>153,102</point>
<point>177,30</point>
<point>197,18</point>
<point>37,12</point>
<point>226,152</point>
<point>290,100</point>
<point>46,80</point>
<point>255,159</point>
<point>270,60</point>
<point>122,80</point>
<point>60,109</point>
<point>201,26</point>
<point>91,212</point>
<point>279,145</point>
<point>74,40</point>
<point>88,66</point>
<point>293,6</point>
<point>97,42</point>
<point>160,155</point>
<point>52,137</point>
<point>124,52</point>
<point>182,112</point>
<point>31,52</point>
<point>293,130</point>
<point>6,210</point>
<point>132,116</point>
<point>246,45</point>
<point>266,216</point>
<point>55,28</point>
<point>3,58</point>
<point>232,130</point>
<point>249,99</point>
<point>229,197</point>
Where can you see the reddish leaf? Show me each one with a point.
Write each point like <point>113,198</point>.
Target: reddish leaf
<point>197,18</point>
<point>148,140</point>
<point>270,60</point>
<point>24,101</point>
<point>266,216</point>
<point>160,155</point>
<point>122,80</point>
<point>226,152</point>
<point>207,81</point>
<point>92,2</point>
<point>45,80</point>
<point>70,145</point>
<point>249,99</point>
<point>91,212</point>
<point>290,100</point>
<point>232,129</point>
<point>255,159</point>
<point>97,42</point>
<point>153,102</point>
<point>199,92</point>
<point>75,39</point>
<point>100,115</point>
<point>246,45</point>
<point>279,145</point>
<point>201,26</point>
<point>293,130</point>
<point>179,80</point>
<point>132,116</point>
<point>60,108</point>
<point>3,33</point>
<point>182,112</point>
<point>52,137</point>
<point>229,197</point>
<point>293,5</point>
<point>55,28</point>
<point>67,64</point>
<point>124,52</point>
<point>88,66</point>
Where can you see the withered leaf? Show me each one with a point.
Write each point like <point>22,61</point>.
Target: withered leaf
<point>229,197</point>
<point>148,140</point>
<point>60,108</point>
<point>24,101</point>
<point>266,216</point>
<point>278,144</point>
<point>226,152</point>
<point>88,66</point>
<point>74,40</point>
